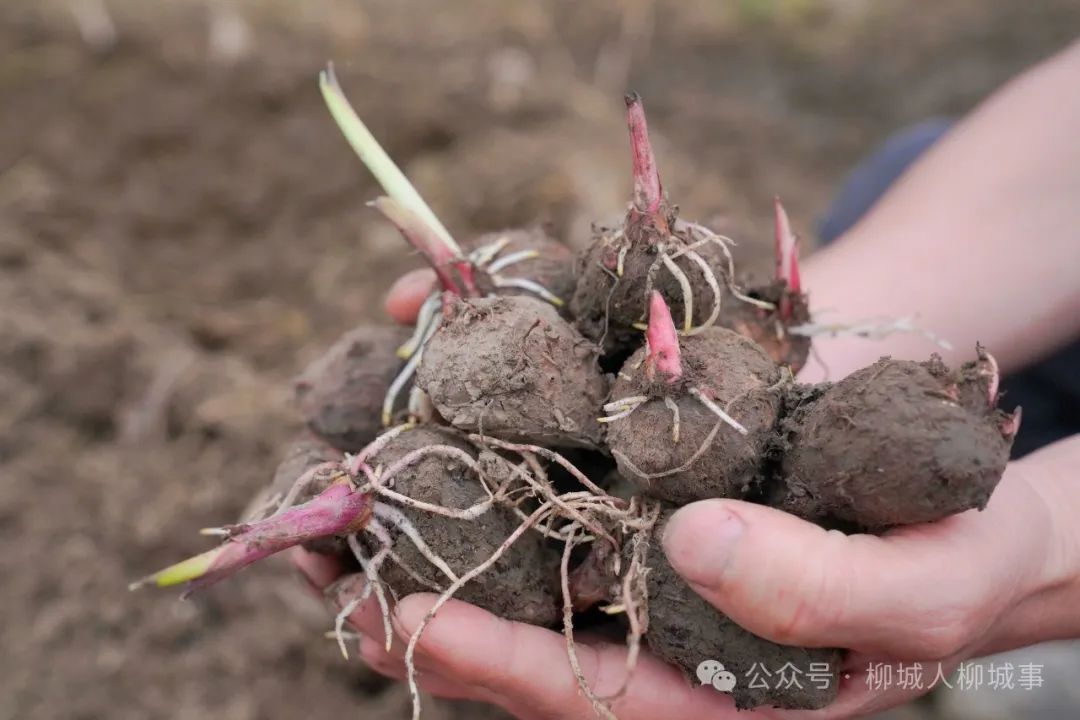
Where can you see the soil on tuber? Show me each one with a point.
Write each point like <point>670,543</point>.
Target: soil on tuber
<point>672,443</point>
<point>443,459</point>
<point>511,367</point>
<point>896,443</point>
<point>520,586</point>
<point>341,393</point>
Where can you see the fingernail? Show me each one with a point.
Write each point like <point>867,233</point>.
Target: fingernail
<point>700,540</point>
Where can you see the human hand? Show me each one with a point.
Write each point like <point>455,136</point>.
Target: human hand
<point>969,585</point>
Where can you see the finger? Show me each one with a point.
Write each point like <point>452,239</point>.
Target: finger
<point>865,688</point>
<point>408,293</point>
<point>918,592</point>
<point>367,617</point>
<point>528,666</point>
<point>376,658</point>
<point>318,569</point>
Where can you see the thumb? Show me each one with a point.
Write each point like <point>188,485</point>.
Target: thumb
<point>921,592</point>
<point>408,293</point>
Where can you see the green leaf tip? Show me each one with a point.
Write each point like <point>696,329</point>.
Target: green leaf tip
<point>364,144</point>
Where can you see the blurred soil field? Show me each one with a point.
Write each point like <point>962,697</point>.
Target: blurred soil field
<point>182,228</point>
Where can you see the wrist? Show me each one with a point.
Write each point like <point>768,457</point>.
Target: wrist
<point>1047,607</point>
<point>1055,479</point>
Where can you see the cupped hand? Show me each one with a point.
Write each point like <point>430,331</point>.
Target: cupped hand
<point>935,594</point>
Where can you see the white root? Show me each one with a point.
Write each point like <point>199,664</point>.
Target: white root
<point>620,261</point>
<point>485,253</point>
<point>406,374</point>
<point>513,258</point>
<point>398,519</point>
<point>378,482</point>
<point>543,452</point>
<point>618,416</point>
<point>675,425</point>
<point>530,285</point>
<point>353,462</point>
<point>723,241</point>
<point>410,650</point>
<point>301,483</point>
<point>623,403</point>
<point>871,329</point>
<point>622,408</point>
<point>710,280</point>
<point>992,372</point>
<point>424,318</point>
<point>370,567</point>
<point>705,445</point>
<point>599,706</point>
<point>339,633</point>
<point>687,290</point>
<point>717,410</point>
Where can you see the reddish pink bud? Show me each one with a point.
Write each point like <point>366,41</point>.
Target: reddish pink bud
<point>787,250</point>
<point>338,510</point>
<point>1011,426</point>
<point>663,354</point>
<point>439,255</point>
<point>647,189</point>
<point>988,367</point>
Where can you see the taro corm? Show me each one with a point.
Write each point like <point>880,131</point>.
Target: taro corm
<point>523,446</point>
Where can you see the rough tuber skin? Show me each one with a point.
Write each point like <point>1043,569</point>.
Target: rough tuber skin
<point>733,372</point>
<point>521,585</point>
<point>896,443</point>
<point>512,368</point>
<point>702,410</point>
<point>341,393</point>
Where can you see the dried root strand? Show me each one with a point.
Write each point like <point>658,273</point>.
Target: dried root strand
<point>675,422</point>
<point>406,373</point>
<point>410,650</point>
<point>634,595</point>
<point>601,707</point>
<point>702,449</point>
<point>546,453</point>
<point>717,410</point>
<point>370,566</point>
<point>870,329</point>
<point>424,318</point>
<point>399,520</point>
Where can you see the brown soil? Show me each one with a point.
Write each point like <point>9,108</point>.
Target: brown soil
<point>511,367</point>
<point>895,443</point>
<point>739,377</point>
<point>519,586</point>
<point>179,236</point>
<point>606,306</point>
<point>340,395</point>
